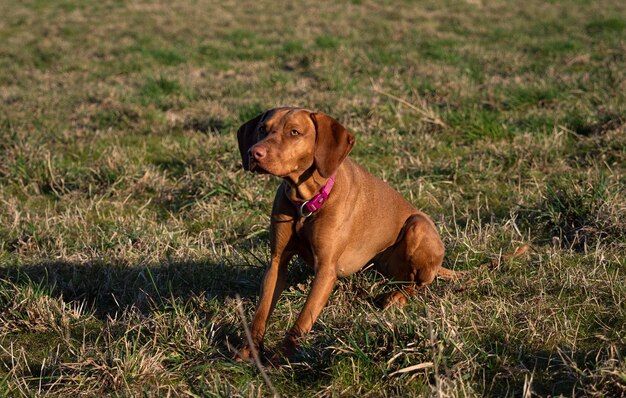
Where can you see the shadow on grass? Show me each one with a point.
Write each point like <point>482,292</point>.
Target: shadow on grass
<point>560,372</point>
<point>110,288</point>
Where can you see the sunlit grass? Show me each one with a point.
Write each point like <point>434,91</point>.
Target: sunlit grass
<point>127,226</point>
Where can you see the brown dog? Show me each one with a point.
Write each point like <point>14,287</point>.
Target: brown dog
<point>352,218</point>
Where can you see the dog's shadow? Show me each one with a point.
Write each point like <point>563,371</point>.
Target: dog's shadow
<point>110,288</point>
<point>206,288</point>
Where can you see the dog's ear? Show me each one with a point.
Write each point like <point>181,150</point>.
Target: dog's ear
<point>247,136</point>
<point>332,143</point>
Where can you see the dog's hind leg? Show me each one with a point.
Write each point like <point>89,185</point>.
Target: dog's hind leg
<point>415,260</point>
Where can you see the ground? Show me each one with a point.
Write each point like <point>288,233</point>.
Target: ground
<point>127,226</point>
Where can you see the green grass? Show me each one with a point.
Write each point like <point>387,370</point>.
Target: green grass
<point>127,226</point>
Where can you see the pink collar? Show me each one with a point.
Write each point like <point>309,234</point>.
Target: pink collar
<point>306,208</point>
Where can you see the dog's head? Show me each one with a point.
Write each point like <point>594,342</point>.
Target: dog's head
<point>288,141</point>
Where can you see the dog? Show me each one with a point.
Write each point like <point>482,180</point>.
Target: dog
<point>333,214</point>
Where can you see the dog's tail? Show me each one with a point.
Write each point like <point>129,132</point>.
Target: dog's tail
<point>520,251</point>
<point>445,273</point>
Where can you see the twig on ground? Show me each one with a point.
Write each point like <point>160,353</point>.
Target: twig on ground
<point>255,353</point>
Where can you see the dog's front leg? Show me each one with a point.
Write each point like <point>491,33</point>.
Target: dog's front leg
<point>321,288</point>
<point>272,286</point>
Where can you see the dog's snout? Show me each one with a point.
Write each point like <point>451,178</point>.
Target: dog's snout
<point>258,152</point>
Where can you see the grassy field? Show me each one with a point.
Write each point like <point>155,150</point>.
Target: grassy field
<point>127,226</point>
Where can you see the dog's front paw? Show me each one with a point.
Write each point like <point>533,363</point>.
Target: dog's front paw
<point>277,359</point>
<point>394,299</point>
<point>247,354</point>
<point>290,345</point>
<point>284,353</point>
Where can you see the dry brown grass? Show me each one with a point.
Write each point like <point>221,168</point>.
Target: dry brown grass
<point>127,226</point>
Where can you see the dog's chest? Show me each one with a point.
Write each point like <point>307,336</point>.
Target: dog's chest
<point>314,245</point>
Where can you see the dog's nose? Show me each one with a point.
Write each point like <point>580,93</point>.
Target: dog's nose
<point>258,152</point>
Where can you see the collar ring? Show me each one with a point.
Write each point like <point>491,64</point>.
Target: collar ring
<point>301,210</point>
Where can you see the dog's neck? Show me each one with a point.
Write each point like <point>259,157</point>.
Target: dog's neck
<point>304,186</point>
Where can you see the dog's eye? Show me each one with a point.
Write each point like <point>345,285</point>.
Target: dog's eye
<point>295,132</point>
<point>262,131</point>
